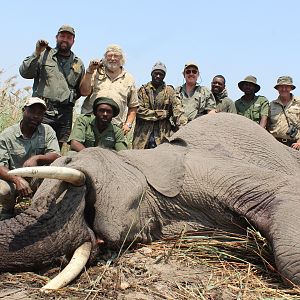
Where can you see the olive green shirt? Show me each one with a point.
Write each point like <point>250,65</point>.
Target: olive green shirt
<point>53,77</point>
<point>15,149</point>
<point>278,125</point>
<point>198,103</point>
<point>86,132</point>
<point>255,109</point>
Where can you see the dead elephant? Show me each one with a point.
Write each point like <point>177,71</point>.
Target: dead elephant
<point>216,172</point>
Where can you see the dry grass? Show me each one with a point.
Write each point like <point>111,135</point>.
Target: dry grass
<point>202,265</point>
<point>11,101</point>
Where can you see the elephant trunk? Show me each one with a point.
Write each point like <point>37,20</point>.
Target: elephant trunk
<point>53,226</point>
<point>284,235</point>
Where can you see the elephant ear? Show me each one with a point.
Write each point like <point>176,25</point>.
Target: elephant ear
<point>163,167</point>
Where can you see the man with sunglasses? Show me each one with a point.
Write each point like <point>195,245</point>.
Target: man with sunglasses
<point>158,106</point>
<point>197,100</point>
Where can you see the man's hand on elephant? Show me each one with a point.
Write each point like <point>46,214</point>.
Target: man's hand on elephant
<point>40,46</point>
<point>94,64</point>
<point>22,186</point>
<point>161,113</point>
<point>296,146</point>
<point>31,162</point>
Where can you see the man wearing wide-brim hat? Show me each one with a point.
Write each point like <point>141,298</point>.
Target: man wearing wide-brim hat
<point>97,130</point>
<point>250,105</point>
<point>284,116</point>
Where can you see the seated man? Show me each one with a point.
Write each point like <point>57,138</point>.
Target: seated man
<point>97,130</point>
<point>25,144</point>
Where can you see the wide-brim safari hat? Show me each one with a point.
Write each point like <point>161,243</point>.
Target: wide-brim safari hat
<point>104,100</point>
<point>251,79</point>
<point>285,80</point>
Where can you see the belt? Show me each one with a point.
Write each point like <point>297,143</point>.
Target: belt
<point>55,103</point>
<point>286,141</point>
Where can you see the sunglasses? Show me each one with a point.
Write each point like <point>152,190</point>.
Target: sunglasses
<point>191,71</point>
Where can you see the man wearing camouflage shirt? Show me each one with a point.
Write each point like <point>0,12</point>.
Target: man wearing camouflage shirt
<point>157,105</point>
<point>196,100</point>
<point>57,73</point>
<point>218,88</point>
<point>284,116</point>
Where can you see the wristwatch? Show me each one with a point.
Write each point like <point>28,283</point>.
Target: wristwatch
<point>129,125</point>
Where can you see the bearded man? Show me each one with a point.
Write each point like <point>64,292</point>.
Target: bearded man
<point>108,78</point>
<point>57,73</point>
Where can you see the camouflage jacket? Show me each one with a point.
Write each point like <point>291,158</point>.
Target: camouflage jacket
<point>224,103</point>
<point>197,104</point>
<point>158,109</point>
<point>51,79</point>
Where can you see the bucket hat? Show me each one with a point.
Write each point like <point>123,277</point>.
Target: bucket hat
<point>285,80</point>
<point>250,79</point>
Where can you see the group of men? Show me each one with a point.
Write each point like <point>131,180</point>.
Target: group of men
<point>115,114</point>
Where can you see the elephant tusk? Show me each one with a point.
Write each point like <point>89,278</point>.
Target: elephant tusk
<point>72,270</point>
<point>70,175</point>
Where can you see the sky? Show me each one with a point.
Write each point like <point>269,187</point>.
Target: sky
<point>232,38</point>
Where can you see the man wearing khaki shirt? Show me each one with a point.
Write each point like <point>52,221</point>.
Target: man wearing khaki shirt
<point>108,78</point>
<point>25,144</point>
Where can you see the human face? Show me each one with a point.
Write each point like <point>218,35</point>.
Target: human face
<point>249,88</point>
<point>64,41</point>
<point>284,90</point>
<point>113,60</point>
<point>191,75</point>
<point>217,85</point>
<point>158,77</point>
<point>33,115</point>
<point>104,113</point>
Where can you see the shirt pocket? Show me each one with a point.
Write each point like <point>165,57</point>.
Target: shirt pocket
<point>256,113</point>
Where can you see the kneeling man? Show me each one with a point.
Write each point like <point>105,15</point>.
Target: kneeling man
<point>97,129</point>
<point>25,144</point>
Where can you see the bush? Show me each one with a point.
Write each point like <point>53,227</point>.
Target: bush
<point>11,101</point>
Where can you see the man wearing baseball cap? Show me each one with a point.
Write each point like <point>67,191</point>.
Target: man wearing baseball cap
<point>158,105</point>
<point>57,73</point>
<point>25,144</point>
<point>97,130</point>
<point>250,105</point>
<point>284,122</point>
<point>197,100</point>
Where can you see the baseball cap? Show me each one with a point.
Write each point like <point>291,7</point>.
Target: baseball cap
<point>190,64</point>
<point>35,100</point>
<point>66,28</point>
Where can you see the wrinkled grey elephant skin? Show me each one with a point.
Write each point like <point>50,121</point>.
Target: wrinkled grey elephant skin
<point>220,171</point>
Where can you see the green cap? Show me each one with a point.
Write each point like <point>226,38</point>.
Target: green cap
<point>109,101</point>
<point>66,28</point>
<point>285,80</point>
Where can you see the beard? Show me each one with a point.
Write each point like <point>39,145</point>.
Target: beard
<point>63,47</point>
<point>112,66</point>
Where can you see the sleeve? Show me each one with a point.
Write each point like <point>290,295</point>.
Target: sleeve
<point>210,103</point>
<point>51,141</point>
<point>4,155</point>
<point>29,67</point>
<point>120,139</point>
<point>265,107</point>
<point>79,130</point>
<point>132,100</point>
<point>144,111</point>
<point>179,116</point>
<point>231,107</point>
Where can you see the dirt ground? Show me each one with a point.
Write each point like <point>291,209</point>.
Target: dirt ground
<point>195,268</point>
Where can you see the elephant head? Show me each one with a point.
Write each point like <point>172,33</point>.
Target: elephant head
<point>221,171</point>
